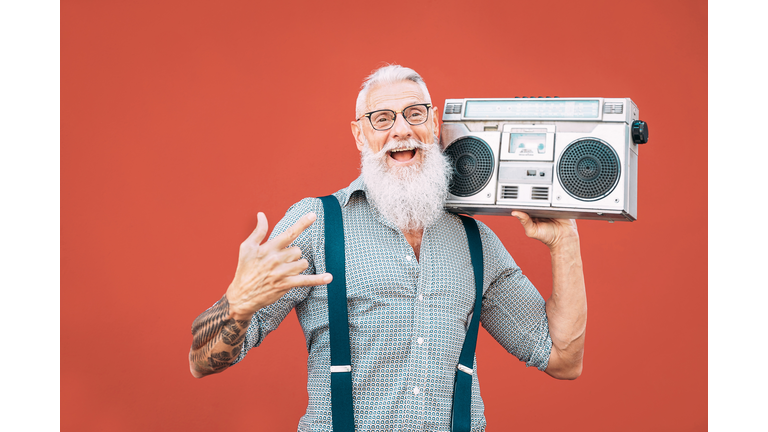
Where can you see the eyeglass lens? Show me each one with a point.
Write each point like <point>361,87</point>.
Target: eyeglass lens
<point>414,115</point>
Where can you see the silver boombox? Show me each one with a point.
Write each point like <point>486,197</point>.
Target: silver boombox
<point>572,158</point>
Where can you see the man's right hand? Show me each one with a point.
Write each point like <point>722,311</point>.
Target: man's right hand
<point>265,272</point>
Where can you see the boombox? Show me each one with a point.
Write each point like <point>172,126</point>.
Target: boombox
<point>573,158</point>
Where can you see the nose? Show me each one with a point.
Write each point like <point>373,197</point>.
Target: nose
<point>401,129</point>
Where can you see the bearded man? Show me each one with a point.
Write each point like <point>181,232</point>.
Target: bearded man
<point>410,287</point>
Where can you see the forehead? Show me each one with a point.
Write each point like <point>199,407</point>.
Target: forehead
<point>394,96</point>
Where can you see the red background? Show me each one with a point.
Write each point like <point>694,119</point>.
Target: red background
<point>180,120</point>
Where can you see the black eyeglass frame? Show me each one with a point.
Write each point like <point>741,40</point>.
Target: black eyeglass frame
<point>401,112</point>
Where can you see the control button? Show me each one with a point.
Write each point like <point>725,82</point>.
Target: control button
<point>541,173</point>
<point>420,340</point>
<point>415,390</point>
<point>531,172</point>
<point>639,132</point>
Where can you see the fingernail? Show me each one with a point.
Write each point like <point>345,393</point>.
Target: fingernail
<point>328,277</point>
<point>312,215</point>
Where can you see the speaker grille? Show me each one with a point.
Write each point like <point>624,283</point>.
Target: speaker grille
<point>540,193</point>
<point>588,169</point>
<point>509,192</point>
<point>472,162</point>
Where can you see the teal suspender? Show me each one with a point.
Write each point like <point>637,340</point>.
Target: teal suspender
<point>338,325</point>
<point>338,322</point>
<point>461,415</point>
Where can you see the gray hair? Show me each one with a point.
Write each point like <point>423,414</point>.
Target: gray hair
<point>389,74</point>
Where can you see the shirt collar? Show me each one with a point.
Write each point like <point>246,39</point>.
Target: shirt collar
<point>357,185</point>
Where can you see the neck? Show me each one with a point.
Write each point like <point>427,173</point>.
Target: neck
<point>413,237</point>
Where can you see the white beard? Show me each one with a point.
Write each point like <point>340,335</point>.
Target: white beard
<point>412,197</point>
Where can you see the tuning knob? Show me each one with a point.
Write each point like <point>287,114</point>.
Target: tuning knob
<point>639,132</point>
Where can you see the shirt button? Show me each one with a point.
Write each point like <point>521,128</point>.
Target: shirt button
<point>408,257</point>
<point>421,297</point>
<point>420,340</point>
<point>415,390</point>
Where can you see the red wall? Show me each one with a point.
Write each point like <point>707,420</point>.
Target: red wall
<point>180,120</point>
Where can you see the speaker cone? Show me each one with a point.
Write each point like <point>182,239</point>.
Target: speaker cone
<point>472,162</point>
<point>588,169</point>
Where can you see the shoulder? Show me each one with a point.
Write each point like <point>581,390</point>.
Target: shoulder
<point>486,234</point>
<point>301,208</point>
<point>315,205</point>
<point>494,251</point>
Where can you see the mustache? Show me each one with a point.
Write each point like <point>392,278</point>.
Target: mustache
<point>396,144</point>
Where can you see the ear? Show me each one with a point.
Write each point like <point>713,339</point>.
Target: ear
<point>357,132</point>
<point>435,121</point>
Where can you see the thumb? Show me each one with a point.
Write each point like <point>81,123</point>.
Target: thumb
<point>525,221</point>
<point>262,226</point>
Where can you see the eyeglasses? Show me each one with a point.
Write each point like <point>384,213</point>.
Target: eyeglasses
<point>382,120</point>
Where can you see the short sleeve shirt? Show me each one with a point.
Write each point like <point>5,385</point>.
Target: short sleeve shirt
<point>407,317</point>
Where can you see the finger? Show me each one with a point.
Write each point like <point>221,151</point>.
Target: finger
<point>289,255</point>
<point>289,235</point>
<point>293,268</point>
<point>309,280</point>
<point>262,226</point>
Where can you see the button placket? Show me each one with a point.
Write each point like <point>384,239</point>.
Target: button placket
<point>422,332</point>
<point>425,288</point>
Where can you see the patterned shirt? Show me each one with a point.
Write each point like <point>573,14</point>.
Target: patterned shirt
<point>407,318</point>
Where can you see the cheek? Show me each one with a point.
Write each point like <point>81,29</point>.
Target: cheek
<point>377,143</point>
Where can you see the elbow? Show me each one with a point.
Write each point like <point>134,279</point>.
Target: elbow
<point>203,368</point>
<point>194,371</point>
<point>570,373</point>
<point>198,366</point>
<point>565,367</point>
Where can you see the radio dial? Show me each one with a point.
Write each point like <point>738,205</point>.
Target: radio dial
<point>639,132</point>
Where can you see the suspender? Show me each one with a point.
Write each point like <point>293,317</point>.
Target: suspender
<point>338,321</point>
<point>338,325</point>
<point>461,418</point>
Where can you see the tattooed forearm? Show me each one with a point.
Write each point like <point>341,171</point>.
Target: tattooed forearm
<point>233,333</point>
<point>216,339</point>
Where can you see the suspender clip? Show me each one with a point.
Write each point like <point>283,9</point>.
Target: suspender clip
<point>464,369</point>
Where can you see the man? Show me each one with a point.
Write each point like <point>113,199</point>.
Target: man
<point>410,285</point>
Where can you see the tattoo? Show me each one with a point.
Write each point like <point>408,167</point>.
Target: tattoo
<point>230,332</point>
<point>208,329</point>
<point>206,326</point>
<point>219,361</point>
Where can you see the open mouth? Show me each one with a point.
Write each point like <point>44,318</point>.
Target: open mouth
<point>403,154</point>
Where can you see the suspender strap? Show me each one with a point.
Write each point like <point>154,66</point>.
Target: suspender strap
<point>338,321</point>
<point>461,413</point>
<point>338,325</point>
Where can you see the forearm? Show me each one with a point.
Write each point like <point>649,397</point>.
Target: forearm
<point>567,310</point>
<point>217,339</point>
